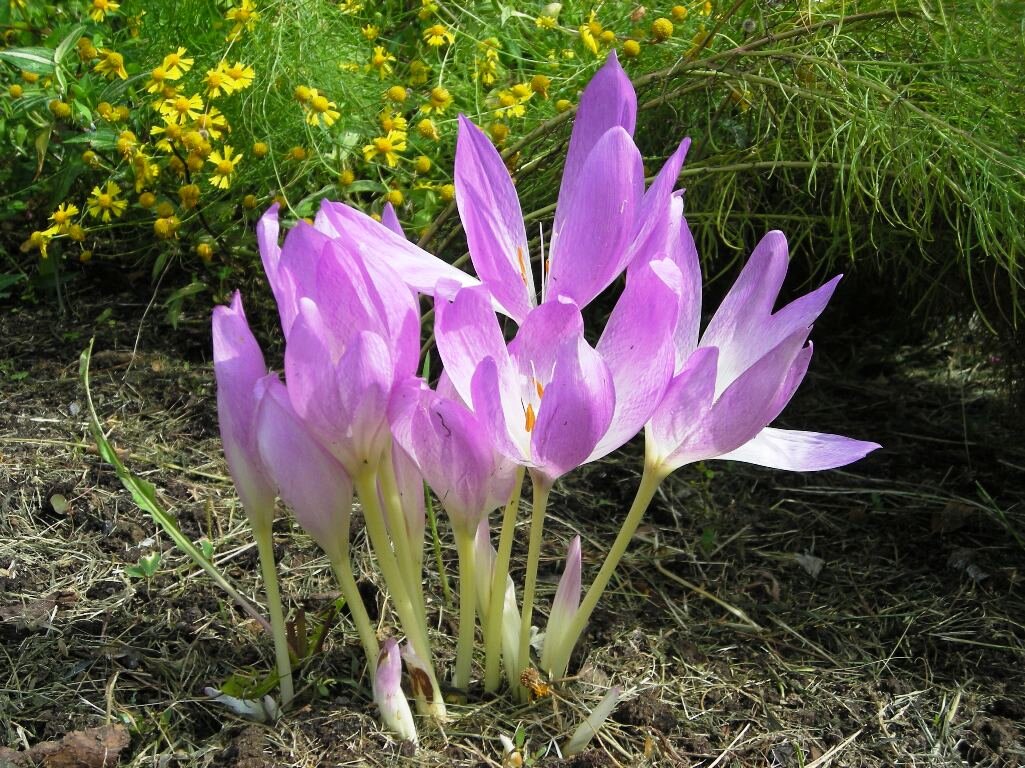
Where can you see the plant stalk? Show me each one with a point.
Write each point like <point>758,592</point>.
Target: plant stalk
<point>499,575</point>
<point>265,546</point>
<point>467,612</point>
<point>541,489</point>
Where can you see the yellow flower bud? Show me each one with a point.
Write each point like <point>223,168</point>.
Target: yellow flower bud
<point>661,29</point>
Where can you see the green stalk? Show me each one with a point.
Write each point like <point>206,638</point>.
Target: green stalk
<point>541,488</point>
<point>467,612</point>
<point>415,629</point>
<point>410,564</point>
<point>265,546</point>
<point>653,476</point>
<point>342,567</point>
<point>500,573</point>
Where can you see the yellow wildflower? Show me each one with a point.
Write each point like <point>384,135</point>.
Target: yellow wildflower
<point>297,154</point>
<point>706,8</point>
<point>303,94</point>
<point>205,251</point>
<point>607,37</point>
<point>126,142</point>
<point>91,159</point>
<point>105,202</point>
<point>392,121</point>
<point>182,109</point>
<point>422,164</point>
<point>164,209</point>
<point>562,105</point>
<point>395,197</point>
<point>158,77</point>
<point>588,39</point>
<point>346,177</point>
<point>244,16</point>
<point>540,84</point>
<point>661,30</point>
<point>260,149</point>
<point>29,77</point>
<point>86,50</point>
<point>147,200</point>
<point>381,61</point>
<point>60,109</point>
<point>350,7</point>
<point>427,129</point>
<point>145,172</point>
<point>438,101</point>
<point>15,91</point>
<point>631,49</point>
<point>370,32</point>
<point>166,227</point>
<point>85,256</point>
<point>388,146</point>
<point>499,132</point>
<point>218,81</point>
<point>40,241</point>
<point>241,74</point>
<point>322,111</point>
<point>189,196</point>
<point>212,123</point>
<point>438,34</point>
<point>418,72</point>
<point>249,202</point>
<point>678,12</point>
<point>177,64</point>
<point>111,64</point>
<point>447,192</point>
<point>77,233</point>
<point>170,131</point>
<point>396,93</point>
<point>100,9</point>
<point>224,167</point>
<point>61,218</point>
<point>545,22</point>
<point>121,113</point>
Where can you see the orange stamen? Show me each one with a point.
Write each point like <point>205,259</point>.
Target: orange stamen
<point>531,419</point>
<point>522,263</point>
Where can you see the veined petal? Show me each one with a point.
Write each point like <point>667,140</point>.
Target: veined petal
<point>491,216</point>
<point>418,269</point>
<point>680,417</point>
<point>800,451</point>
<point>637,345</point>
<point>467,332</point>
<point>238,366</point>
<point>594,222</point>
<point>607,101</point>
<point>282,285</point>
<point>308,478</point>
<point>500,412</point>
<point>684,253</point>
<point>575,411</point>
<point>536,345</point>
<point>297,271</point>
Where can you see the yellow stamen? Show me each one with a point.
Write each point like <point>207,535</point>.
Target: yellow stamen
<point>539,387</point>
<point>522,263</point>
<point>531,419</point>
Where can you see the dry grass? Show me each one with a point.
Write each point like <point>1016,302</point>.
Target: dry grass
<point>906,648</point>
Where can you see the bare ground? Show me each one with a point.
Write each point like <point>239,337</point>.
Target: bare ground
<point>869,617</point>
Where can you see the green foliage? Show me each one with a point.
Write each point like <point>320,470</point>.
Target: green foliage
<point>882,132</point>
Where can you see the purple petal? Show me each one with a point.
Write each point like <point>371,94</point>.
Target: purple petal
<point>418,269</point>
<point>536,345</point>
<point>575,410</point>
<point>238,366</point>
<point>342,395</point>
<point>800,451</point>
<point>491,216</point>
<point>680,417</point>
<point>637,345</point>
<point>391,220</point>
<point>567,595</point>
<point>308,478</point>
<point>656,216</point>
<point>467,331</point>
<point>297,270</point>
<point>282,286</point>
<point>607,101</point>
<point>411,496</point>
<point>594,221</point>
<point>388,695</point>
<point>500,412</point>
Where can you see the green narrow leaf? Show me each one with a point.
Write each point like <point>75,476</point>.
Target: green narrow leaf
<point>68,42</point>
<point>38,60</point>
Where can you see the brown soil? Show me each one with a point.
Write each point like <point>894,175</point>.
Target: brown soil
<point>866,617</point>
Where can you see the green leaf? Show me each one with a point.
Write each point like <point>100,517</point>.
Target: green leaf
<point>68,42</point>
<point>38,60</point>
<point>145,496</point>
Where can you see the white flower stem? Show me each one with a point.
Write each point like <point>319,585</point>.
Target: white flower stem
<point>541,489</point>
<point>410,562</point>
<point>265,547</point>
<point>414,627</point>
<point>500,573</point>
<point>650,481</point>
<point>467,612</point>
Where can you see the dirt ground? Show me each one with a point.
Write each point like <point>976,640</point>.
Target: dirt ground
<point>865,617</point>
